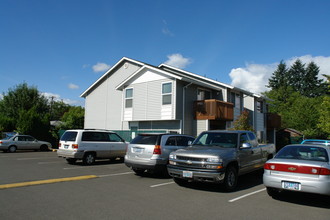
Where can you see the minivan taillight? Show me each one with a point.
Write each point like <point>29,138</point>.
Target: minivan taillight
<point>157,150</point>
<point>59,145</point>
<point>75,146</point>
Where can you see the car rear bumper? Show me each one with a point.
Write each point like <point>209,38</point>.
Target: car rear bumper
<point>197,175</point>
<point>319,185</point>
<point>150,164</point>
<point>70,154</point>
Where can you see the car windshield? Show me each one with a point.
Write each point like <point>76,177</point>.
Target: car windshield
<point>303,153</point>
<point>145,139</point>
<point>227,140</point>
<point>69,136</point>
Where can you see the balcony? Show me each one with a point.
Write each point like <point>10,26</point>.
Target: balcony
<point>213,109</point>
<point>273,121</point>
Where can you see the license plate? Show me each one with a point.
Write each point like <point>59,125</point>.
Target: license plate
<point>137,150</point>
<point>66,146</point>
<point>187,174</point>
<point>291,185</point>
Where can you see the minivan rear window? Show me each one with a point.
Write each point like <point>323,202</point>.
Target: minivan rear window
<point>69,136</point>
<point>145,139</point>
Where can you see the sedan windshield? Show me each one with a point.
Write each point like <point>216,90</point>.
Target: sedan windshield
<point>303,153</point>
<point>227,140</point>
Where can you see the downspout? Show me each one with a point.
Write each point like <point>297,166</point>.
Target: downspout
<point>184,106</point>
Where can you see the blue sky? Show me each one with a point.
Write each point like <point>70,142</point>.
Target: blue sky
<point>63,46</point>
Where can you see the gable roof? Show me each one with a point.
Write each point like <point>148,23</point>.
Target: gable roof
<point>168,71</point>
<point>124,59</point>
<point>131,77</point>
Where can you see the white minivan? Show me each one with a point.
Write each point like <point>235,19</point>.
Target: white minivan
<point>89,145</point>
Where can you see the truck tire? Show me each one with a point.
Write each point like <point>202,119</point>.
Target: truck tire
<point>180,182</point>
<point>230,181</point>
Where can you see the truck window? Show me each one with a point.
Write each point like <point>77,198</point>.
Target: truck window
<point>227,140</point>
<point>244,139</point>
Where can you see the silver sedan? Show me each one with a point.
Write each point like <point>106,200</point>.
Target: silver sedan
<point>302,168</point>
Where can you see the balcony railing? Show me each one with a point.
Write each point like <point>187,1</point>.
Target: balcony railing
<point>213,109</point>
<point>273,121</point>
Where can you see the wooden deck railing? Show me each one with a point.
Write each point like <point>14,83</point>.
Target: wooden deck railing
<point>213,109</point>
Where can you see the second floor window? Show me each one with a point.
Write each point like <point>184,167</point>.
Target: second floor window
<point>129,98</point>
<point>167,93</point>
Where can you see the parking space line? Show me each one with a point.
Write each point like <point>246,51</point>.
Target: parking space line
<point>39,182</point>
<point>246,195</point>
<point>34,158</point>
<point>50,162</point>
<point>115,174</point>
<point>162,184</point>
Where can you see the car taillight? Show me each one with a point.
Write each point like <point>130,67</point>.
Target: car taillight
<point>75,146</point>
<point>297,169</point>
<point>59,145</point>
<point>157,150</point>
<point>324,171</point>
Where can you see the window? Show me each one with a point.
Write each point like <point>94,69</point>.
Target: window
<point>203,94</point>
<point>167,93</point>
<point>129,98</point>
<point>260,106</point>
<point>115,138</point>
<point>95,136</point>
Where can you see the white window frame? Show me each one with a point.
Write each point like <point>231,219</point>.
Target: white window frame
<point>166,94</point>
<point>128,98</point>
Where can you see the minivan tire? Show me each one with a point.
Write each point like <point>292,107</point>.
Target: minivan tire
<point>89,159</point>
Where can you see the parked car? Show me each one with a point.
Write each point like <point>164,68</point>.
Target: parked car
<point>316,141</point>
<point>301,168</point>
<point>219,156</point>
<point>89,145</point>
<point>150,152</point>
<point>23,142</point>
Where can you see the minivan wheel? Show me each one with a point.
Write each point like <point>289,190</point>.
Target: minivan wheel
<point>89,159</point>
<point>138,171</point>
<point>71,160</point>
<point>12,149</point>
<point>230,181</point>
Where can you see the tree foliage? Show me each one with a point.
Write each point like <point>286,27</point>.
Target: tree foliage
<point>301,98</point>
<point>74,118</point>
<point>243,122</point>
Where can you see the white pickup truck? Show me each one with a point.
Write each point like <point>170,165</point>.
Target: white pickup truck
<point>219,157</point>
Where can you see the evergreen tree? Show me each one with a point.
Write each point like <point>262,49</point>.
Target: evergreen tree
<point>296,76</point>
<point>279,77</point>
<point>313,86</point>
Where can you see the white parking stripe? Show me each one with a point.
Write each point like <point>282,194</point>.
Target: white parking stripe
<point>246,195</point>
<point>162,184</point>
<point>115,174</point>
<point>34,158</point>
<point>50,162</point>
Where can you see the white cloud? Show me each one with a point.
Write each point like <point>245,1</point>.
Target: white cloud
<point>100,67</point>
<point>254,77</point>
<point>73,86</point>
<point>58,98</point>
<point>177,60</point>
<point>166,30</point>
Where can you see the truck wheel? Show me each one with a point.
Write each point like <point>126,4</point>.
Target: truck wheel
<point>88,159</point>
<point>230,181</point>
<point>180,182</point>
<point>274,193</point>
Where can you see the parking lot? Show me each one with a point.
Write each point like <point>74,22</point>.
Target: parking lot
<point>39,185</point>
